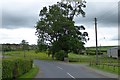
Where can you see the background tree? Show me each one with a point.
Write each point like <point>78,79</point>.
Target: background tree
<point>56,26</point>
<point>41,46</point>
<point>25,46</point>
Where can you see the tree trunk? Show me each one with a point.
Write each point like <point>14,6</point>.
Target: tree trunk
<point>15,72</point>
<point>48,55</point>
<point>53,54</point>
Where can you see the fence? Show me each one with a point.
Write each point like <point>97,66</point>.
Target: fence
<point>111,67</point>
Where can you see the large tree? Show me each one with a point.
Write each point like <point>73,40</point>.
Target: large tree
<point>56,26</point>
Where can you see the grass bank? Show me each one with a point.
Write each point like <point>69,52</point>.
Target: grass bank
<point>106,68</point>
<point>31,74</point>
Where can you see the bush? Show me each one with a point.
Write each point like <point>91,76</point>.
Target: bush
<point>74,59</point>
<point>12,68</point>
<point>60,55</point>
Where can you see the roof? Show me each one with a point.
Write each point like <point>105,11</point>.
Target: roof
<point>115,47</point>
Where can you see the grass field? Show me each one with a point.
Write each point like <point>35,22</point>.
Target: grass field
<point>29,54</point>
<point>80,58</point>
<point>88,58</point>
<point>73,58</point>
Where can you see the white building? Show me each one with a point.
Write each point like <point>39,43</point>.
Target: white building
<point>113,52</point>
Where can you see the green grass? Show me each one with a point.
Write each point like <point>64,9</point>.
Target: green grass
<point>76,58</point>
<point>0,69</point>
<point>102,59</point>
<point>29,54</point>
<point>107,68</point>
<point>31,74</point>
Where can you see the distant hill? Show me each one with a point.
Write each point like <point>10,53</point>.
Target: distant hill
<point>100,47</point>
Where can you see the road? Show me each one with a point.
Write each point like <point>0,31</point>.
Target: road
<point>54,69</point>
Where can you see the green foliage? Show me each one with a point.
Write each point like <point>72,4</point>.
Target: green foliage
<point>80,58</point>
<point>57,27</point>
<point>41,46</point>
<point>60,55</point>
<point>6,49</point>
<point>15,67</point>
<point>107,68</point>
<point>31,74</point>
<point>7,68</point>
<point>25,45</point>
<point>29,55</point>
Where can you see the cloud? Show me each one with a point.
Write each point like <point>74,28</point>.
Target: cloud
<point>116,37</point>
<point>22,13</point>
<point>105,36</point>
<point>11,20</point>
<point>17,35</point>
<point>20,16</point>
<point>105,12</point>
<point>102,0</point>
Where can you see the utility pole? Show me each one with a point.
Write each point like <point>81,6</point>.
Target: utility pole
<point>100,49</point>
<point>96,41</point>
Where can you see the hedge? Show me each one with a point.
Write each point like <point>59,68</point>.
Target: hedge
<point>13,68</point>
<point>74,59</point>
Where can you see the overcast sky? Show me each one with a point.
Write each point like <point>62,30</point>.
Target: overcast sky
<point>20,16</point>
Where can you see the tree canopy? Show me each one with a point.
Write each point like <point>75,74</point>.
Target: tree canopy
<point>56,27</point>
<point>25,46</point>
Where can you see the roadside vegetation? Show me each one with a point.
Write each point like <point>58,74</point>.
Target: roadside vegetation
<point>58,39</point>
<point>12,68</point>
<point>107,67</point>
<point>31,74</point>
<point>104,61</point>
<point>29,55</point>
<point>0,68</point>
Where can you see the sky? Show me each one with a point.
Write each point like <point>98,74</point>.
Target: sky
<point>20,16</point>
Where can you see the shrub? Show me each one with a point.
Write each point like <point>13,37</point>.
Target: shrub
<point>60,55</point>
<point>12,68</point>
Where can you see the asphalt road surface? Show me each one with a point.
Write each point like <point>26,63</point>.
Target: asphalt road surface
<point>54,69</point>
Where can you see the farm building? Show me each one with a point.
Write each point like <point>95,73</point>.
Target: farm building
<point>113,52</point>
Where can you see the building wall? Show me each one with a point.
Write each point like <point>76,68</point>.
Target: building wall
<point>112,52</point>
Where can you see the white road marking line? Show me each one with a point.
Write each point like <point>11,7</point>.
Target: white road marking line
<point>70,75</point>
<point>59,67</point>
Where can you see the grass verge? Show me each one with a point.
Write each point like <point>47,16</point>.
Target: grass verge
<point>111,69</point>
<point>31,74</point>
